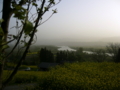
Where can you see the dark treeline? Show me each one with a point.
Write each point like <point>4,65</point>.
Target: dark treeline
<point>70,56</point>
<point>45,54</point>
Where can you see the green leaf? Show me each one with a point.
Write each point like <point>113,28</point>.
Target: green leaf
<point>28,27</point>
<point>3,42</point>
<point>4,47</point>
<point>15,37</point>
<point>34,4</point>
<point>3,38</point>
<point>46,9</point>
<point>52,1</point>
<point>19,12</point>
<point>1,31</point>
<point>25,44</point>
<point>1,20</point>
<point>54,11</point>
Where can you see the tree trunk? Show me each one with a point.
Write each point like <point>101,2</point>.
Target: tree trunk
<point>6,14</point>
<point>1,72</point>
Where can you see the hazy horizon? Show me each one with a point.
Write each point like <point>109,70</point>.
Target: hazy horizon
<point>80,21</point>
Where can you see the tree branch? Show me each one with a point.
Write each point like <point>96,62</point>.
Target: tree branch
<point>21,32</point>
<point>22,58</point>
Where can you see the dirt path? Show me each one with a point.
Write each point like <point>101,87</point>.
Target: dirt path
<point>20,87</point>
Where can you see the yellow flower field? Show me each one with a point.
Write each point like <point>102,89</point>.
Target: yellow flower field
<point>76,76</point>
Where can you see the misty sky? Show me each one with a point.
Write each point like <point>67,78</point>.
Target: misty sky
<point>83,20</point>
<point>79,20</point>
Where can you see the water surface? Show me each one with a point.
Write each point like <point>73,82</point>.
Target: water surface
<point>65,48</point>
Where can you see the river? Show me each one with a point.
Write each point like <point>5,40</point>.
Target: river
<point>66,48</point>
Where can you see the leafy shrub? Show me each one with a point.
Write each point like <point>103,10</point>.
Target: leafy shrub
<point>83,76</point>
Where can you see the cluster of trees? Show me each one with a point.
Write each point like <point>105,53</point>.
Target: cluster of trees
<point>115,50</point>
<point>69,56</point>
<point>98,55</point>
<point>62,56</point>
<point>46,55</point>
<point>49,55</point>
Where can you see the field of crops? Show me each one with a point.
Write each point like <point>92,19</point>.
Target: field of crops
<point>76,76</point>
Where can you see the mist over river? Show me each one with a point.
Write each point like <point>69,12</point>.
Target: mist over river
<point>66,48</point>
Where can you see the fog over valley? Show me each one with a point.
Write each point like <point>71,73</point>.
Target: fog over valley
<point>79,42</point>
<point>79,23</point>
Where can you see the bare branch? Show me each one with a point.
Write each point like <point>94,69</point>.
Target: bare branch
<point>21,32</point>
<point>35,15</point>
<point>45,20</point>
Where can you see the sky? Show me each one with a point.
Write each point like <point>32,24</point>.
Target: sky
<point>81,20</point>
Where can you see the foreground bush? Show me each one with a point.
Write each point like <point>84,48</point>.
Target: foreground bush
<point>76,76</point>
<point>25,76</point>
<point>83,76</point>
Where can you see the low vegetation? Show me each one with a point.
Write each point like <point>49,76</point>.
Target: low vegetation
<point>96,71</point>
<point>75,76</point>
<point>10,66</point>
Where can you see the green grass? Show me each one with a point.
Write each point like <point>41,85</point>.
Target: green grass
<point>76,76</point>
<point>12,65</point>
